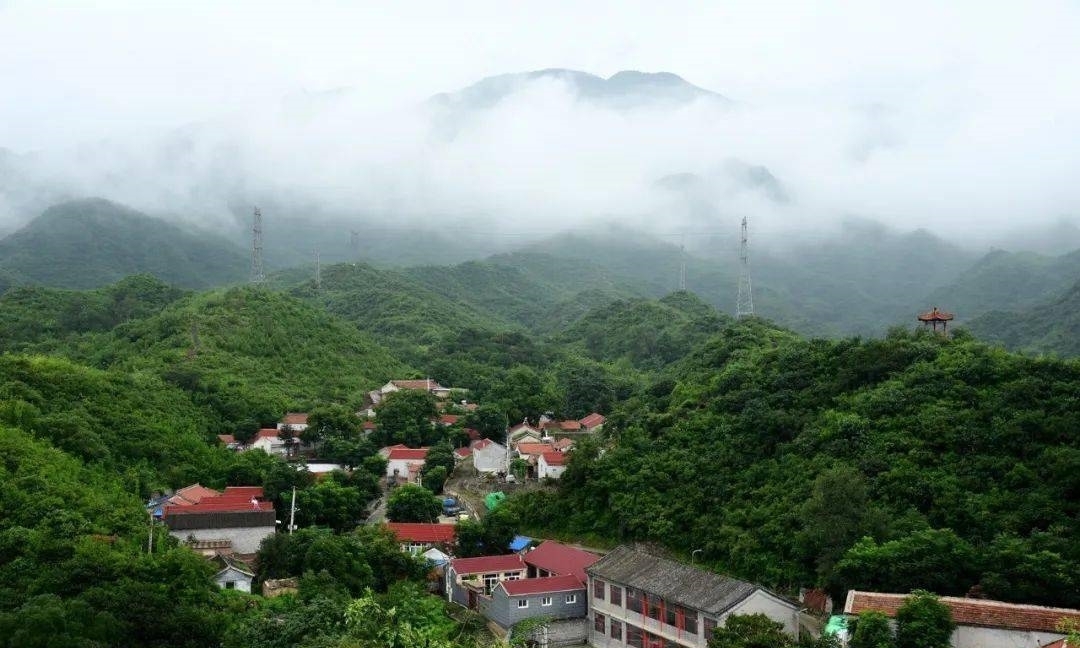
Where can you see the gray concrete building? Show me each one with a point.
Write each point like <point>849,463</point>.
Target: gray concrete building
<point>647,601</point>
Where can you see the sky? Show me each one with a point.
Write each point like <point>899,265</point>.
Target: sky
<point>958,116</point>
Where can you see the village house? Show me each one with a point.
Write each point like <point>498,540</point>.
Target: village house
<point>551,465</point>
<point>469,578</point>
<point>553,597</point>
<point>551,585</point>
<point>403,464</point>
<point>295,421</point>
<point>639,599</point>
<point>489,456</point>
<point>551,426</point>
<point>269,441</point>
<point>523,432</point>
<point>418,537</point>
<point>461,454</point>
<point>592,423</point>
<point>233,574</point>
<point>233,522</point>
<point>980,623</point>
<point>229,441</point>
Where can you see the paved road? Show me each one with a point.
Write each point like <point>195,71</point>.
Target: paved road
<point>378,514</point>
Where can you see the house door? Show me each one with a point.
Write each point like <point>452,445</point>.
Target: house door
<point>472,600</point>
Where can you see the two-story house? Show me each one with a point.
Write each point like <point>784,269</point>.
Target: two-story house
<point>647,601</point>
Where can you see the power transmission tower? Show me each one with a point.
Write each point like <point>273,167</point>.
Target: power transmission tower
<point>318,272</point>
<point>744,305</point>
<point>682,263</point>
<point>354,241</point>
<point>258,275</point>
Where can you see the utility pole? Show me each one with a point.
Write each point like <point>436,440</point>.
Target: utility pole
<point>292,512</point>
<point>150,538</point>
<point>258,275</point>
<point>318,272</point>
<point>354,242</point>
<point>744,305</point>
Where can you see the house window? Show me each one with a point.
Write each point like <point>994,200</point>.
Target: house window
<point>512,575</point>
<point>634,636</point>
<point>633,600</point>
<point>689,621</point>
<point>489,582</point>
<point>545,601</point>
<point>616,595</point>
<point>709,625</point>
<point>571,598</point>
<point>523,603</point>
<point>655,606</point>
<point>230,584</point>
<point>599,623</point>
<point>598,589</point>
<point>616,629</point>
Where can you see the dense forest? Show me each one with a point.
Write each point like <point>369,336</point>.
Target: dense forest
<point>908,461</point>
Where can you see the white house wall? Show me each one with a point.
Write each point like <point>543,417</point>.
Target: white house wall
<point>245,540</point>
<point>975,637</point>
<point>761,602</point>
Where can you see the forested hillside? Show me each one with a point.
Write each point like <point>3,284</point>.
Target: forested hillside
<point>1052,327</point>
<point>93,242</point>
<point>912,461</point>
<point>1007,281</point>
<point>248,354</point>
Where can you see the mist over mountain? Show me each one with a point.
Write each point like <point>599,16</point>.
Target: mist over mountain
<point>509,159</point>
<point>93,242</point>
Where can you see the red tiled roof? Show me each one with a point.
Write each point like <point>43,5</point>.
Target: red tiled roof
<point>522,426</point>
<point>480,444</point>
<point>554,458</point>
<point>295,418</point>
<point>592,420</point>
<point>563,444</point>
<point>971,612</point>
<point>408,454</point>
<point>569,426</point>
<point>243,491</point>
<point>1060,643</point>
<point>227,439</point>
<point>448,419</point>
<point>526,586</point>
<point>486,564</point>
<point>192,495</point>
<point>473,434</point>
<point>266,433</point>
<point>561,559</point>
<point>533,448</point>
<point>369,425</point>
<point>420,532</point>
<point>214,505</point>
<point>463,452</point>
<point>416,384</point>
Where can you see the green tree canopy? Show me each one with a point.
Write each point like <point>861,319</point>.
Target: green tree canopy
<point>412,503</point>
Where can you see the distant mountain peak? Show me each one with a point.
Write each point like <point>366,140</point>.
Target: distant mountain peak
<point>624,89</point>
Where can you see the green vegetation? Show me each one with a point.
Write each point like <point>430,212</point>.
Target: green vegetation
<point>1051,328</point>
<point>912,461</point>
<point>93,242</point>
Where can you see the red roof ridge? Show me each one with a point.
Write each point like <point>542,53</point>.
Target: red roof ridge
<point>969,611</point>
<point>558,558</point>
<point>552,584</point>
<point>554,458</point>
<point>422,531</point>
<point>408,454</point>
<point>483,564</point>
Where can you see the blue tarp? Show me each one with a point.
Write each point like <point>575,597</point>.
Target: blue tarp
<point>519,543</point>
